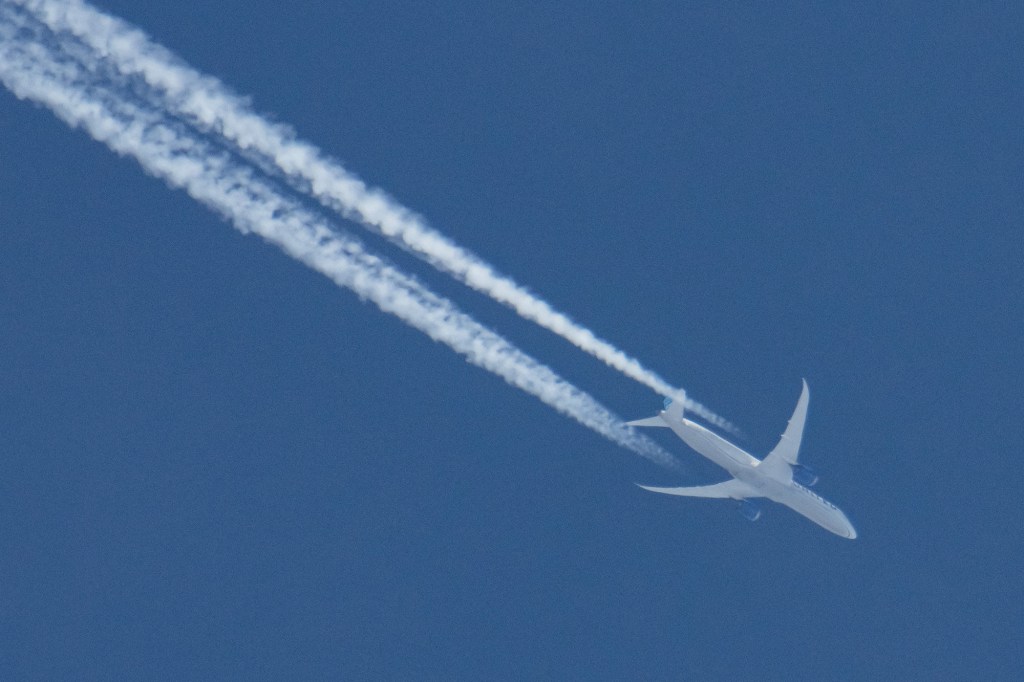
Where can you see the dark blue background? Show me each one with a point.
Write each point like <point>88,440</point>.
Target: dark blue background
<point>217,465</point>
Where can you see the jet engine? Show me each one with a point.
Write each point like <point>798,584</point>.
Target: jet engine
<point>750,510</point>
<point>803,475</point>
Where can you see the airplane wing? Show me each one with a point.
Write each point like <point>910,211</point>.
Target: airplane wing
<point>735,489</point>
<point>787,451</point>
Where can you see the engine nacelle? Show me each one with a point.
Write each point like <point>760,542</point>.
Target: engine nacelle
<point>750,510</point>
<point>805,476</point>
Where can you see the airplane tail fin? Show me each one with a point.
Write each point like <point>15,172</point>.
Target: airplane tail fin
<point>673,410</point>
<point>674,407</point>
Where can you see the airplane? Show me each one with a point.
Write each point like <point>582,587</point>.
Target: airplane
<point>779,476</point>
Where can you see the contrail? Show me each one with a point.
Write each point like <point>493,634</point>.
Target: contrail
<point>210,106</point>
<point>33,71</point>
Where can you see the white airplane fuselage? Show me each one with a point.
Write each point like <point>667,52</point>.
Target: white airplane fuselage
<point>772,485</point>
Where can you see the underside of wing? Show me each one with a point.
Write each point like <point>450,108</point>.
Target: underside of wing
<point>787,451</point>
<point>734,489</point>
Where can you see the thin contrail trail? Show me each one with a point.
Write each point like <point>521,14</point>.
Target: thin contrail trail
<point>209,105</point>
<point>34,71</point>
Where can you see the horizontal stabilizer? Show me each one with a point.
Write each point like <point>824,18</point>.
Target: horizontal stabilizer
<point>734,489</point>
<point>651,421</point>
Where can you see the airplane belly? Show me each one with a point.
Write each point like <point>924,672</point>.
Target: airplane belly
<point>717,449</point>
<point>833,520</point>
<point>811,506</point>
<point>705,447</point>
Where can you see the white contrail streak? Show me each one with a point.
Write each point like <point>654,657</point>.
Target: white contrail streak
<point>31,70</point>
<point>210,106</point>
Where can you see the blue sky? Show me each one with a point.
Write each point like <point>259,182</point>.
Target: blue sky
<point>216,464</point>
